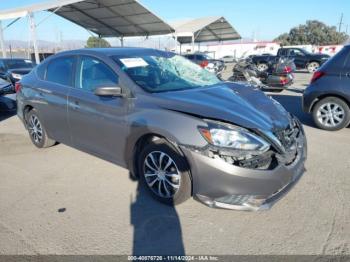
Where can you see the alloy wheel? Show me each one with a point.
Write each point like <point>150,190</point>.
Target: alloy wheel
<point>330,114</point>
<point>35,129</point>
<point>161,174</point>
<point>312,67</point>
<point>262,67</point>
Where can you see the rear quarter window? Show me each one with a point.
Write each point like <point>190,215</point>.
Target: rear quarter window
<point>347,59</point>
<point>41,71</point>
<point>339,60</point>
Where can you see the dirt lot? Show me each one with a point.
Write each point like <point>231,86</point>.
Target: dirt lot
<point>62,201</point>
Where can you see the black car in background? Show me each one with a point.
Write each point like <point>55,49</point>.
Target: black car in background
<point>302,59</point>
<point>6,87</point>
<point>328,95</point>
<point>13,70</point>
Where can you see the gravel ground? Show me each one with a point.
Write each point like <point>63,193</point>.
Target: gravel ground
<point>62,201</point>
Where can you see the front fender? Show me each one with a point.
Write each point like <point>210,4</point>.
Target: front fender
<point>178,128</point>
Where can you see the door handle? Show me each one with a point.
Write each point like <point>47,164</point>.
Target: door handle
<point>347,74</point>
<point>75,105</point>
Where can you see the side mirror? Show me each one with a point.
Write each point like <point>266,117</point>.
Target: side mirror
<point>108,91</point>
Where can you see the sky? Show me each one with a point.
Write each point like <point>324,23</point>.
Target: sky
<point>259,19</point>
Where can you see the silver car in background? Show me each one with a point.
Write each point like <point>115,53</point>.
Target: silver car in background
<point>175,126</point>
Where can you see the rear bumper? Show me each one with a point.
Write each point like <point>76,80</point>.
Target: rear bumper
<point>223,185</point>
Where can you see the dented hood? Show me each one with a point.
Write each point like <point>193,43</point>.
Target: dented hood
<point>235,103</point>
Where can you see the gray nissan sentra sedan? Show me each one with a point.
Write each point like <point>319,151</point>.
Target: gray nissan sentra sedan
<point>174,125</point>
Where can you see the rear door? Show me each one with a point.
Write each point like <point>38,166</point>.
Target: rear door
<point>51,93</point>
<point>97,123</point>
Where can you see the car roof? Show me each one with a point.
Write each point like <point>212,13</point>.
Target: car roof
<point>14,59</point>
<point>113,51</point>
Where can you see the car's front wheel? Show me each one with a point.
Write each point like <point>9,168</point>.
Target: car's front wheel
<point>313,66</point>
<point>331,113</point>
<point>37,131</point>
<point>164,171</point>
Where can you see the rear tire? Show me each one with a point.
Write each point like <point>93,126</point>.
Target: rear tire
<point>36,130</point>
<point>262,67</point>
<point>164,172</point>
<point>331,113</point>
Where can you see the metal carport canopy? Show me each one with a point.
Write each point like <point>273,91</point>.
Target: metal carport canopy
<point>114,18</point>
<point>205,29</point>
<point>106,18</point>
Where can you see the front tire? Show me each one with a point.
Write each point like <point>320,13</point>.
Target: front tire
<point>164,172</point>
<point>36,130</point>
<point>313,66</point>
<point>331,113</point>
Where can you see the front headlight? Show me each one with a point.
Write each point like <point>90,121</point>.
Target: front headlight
<point>232,137</point>
<point>16,76</point>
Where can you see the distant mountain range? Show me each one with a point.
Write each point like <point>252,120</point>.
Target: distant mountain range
<point>46,45</point>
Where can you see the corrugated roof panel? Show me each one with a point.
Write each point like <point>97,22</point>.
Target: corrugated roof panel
<point>205,29</point>
<point>115,18</point>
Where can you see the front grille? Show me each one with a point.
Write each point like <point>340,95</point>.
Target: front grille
<point>288,136</point>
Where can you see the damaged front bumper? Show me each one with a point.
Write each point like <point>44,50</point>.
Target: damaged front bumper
<point>221,184</point>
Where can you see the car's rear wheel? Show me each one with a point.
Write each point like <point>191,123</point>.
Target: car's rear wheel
<point>37,131</point>
<point>313,66</point>
<point>262,67</point>
<point>164,171</point>
<point>331,114</point>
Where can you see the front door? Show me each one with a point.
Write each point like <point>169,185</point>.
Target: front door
<point>97,123</point>
<point>299,57</point>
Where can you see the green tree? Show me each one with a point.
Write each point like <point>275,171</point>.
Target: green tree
<point>313,32</point>
<point>96,42</point>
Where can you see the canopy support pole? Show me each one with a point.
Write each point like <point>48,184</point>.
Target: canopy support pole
<point>193,43</point>
<point>122,41</point>
<point>2,42</point>
<point>33,33</point>
<point>175,43</point>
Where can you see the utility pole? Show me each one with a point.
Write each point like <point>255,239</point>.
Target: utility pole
<point>2,41</point>
<point>340,22</point>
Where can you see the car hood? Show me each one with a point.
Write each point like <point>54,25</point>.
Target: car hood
<point>21,71</point>
<point>321,56</point>
<point>238,104</point>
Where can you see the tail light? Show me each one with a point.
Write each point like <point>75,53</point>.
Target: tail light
<point>204,63</point>
<point>287,69</point>
<point>18,87</point>
<point>283,81</point>
<point>317,75</point>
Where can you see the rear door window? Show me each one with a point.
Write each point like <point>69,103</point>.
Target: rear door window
<point>2,66</point>
<point>283,52</point>
<point>339,61</point>
<point>60,70</point>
